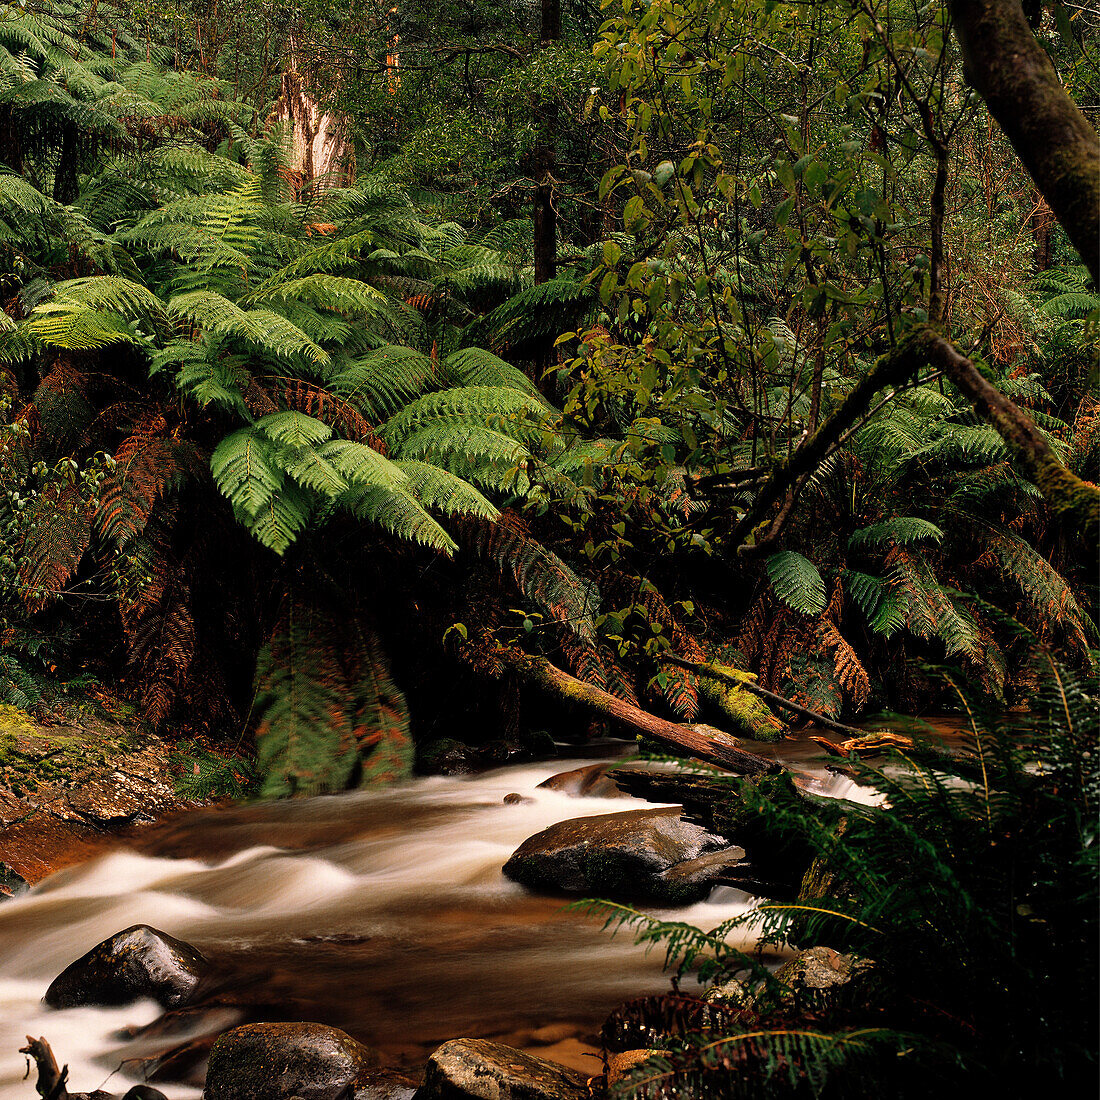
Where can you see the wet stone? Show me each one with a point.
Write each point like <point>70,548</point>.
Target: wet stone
<point>11,882</point>
<point>273,1061</point>
<point>640,855</point>
<point>385,1084</point>
<point>138,962</point>
<point>476,1069</point>
<point>590,781</point>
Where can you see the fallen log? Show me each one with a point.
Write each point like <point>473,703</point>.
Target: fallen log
<point>702,742</point>
<point>771,697</point>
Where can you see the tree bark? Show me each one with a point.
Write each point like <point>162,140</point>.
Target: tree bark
<point>1056,143</point>
<point>1075,502</point>
<point>544,214</point>
<point>702,742</point>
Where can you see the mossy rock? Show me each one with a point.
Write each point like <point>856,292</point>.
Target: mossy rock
<point>476,1069</point>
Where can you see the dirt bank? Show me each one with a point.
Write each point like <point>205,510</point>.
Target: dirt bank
<point>69,788</point>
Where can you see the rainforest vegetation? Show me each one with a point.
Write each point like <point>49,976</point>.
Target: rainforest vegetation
<point>386,384</point>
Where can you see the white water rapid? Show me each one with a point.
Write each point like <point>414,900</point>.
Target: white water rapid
<point>384,913</point>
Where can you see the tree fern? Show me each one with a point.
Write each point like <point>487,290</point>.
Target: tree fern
<point>796,581</point>
<point>903,530</point>
<point>547,582</point>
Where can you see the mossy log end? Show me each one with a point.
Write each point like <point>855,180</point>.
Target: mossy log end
<point>702,742</point>
<point>1057,145</point>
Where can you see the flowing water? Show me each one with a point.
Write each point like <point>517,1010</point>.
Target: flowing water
<point>383,913</point>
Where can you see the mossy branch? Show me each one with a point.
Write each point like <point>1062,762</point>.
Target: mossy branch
<point>702,742</point>
<point>746,683</point>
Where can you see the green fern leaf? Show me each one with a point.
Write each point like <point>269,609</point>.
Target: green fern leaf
<point>797,582</point>
<point>903,530</point>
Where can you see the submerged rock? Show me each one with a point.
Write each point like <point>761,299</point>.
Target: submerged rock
<point>137,962</point>
<point>640,855</point>
<point>591,781</point>
<point>279,1060</point>
<point>481,1070</point>
<point>138,1092</point>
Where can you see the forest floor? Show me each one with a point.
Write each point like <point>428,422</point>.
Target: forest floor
<point>71,785</point>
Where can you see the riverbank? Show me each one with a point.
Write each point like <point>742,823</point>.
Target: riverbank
<point>72,787</point>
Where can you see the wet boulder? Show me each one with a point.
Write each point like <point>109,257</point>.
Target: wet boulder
<point>385,1084</point>
<point>274,1061</point>
<point>135,963</point>
<point>476,1069</point>
<point>590,781</point>
<point>640,855</point>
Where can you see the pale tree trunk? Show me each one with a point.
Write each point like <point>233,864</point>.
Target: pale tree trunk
<point>546,119</point>
<point>318,149</point>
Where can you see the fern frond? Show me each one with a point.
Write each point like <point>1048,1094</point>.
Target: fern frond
<point>797,582</point>
<point>903,530</point>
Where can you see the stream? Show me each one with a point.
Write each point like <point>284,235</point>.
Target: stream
<point>383,913</point>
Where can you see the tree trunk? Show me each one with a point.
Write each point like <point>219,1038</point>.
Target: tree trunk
<point>1042,234</point>
<point>703,742</point>
<point>546,122</point>
<point>1056,143</point>
<point>1074,501</point>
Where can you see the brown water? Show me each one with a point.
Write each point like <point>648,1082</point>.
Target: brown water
<point>383,913</point>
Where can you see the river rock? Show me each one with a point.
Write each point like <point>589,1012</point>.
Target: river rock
<point>476,1069</point>
<point>822,975</point>
<point>137,962</point>
<point>446,756</point>
<point>640,855</point>
<point>11,882</point>
<point>275,1061</point>
<point>385,1084</point>
<point>590,781</point>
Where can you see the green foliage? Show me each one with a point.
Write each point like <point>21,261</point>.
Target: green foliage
<point>797,582</point>
<point>204,774</point>
<point>969,883</point>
